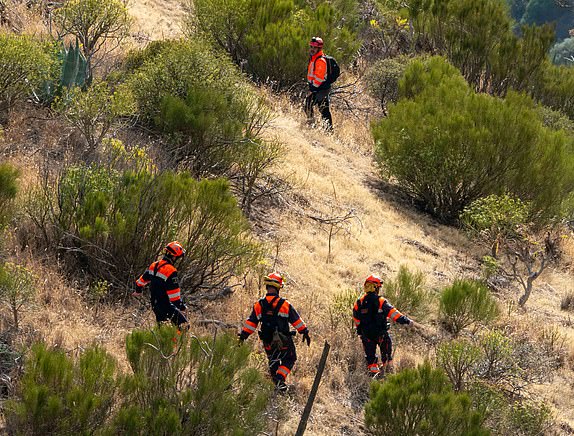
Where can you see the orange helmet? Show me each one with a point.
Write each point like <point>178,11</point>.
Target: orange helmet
<point>372,283</point>
<point>174,249</point>
<point>316,42</point>
<point>274,279</point>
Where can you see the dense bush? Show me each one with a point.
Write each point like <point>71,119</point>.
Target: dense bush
<point>95,111</point>
<point>183,386</point>
<point>114,218</point>
<point>407,292</point>
<point>8,190</point>
<point>420,401</point>
<point>495,218</point>
<point>382,79</point>
<point>272,36</point>
<point>448,146</point>
<point>190,387</point>
<point>198,98</point>
<point>476,36</point>
<point>465,303</point>
<point>60,396</point>
<point>458,359</point>
<point>556,88</point>
<point>25,64</point>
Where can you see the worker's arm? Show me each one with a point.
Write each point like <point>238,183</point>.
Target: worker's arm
<point>250,324</point>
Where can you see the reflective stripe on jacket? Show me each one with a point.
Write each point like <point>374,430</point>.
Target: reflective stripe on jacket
<point>385,310</point>
<point>286,311</point>
<point>164,285</point>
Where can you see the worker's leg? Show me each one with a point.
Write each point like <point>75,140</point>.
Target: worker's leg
<point>309,102</point>
<point>323,102</point>
<point>386,345</point>
<point>370,348</point>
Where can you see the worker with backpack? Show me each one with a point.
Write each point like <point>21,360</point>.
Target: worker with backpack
<point>275,314</point>
<point>322,72</point>
<point>370,314</point>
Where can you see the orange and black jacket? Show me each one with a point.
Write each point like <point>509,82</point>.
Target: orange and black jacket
<point>286,315</point>
<point>317,72</point>
<point>164,285</point>
<point>370,315</point>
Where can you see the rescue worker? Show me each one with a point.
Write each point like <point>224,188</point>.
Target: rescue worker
<point>319,86</point>
<point>370,315</point>
<point>275,314</point>
<point>161,275</point>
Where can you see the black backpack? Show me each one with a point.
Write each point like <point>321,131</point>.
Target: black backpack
<point>270,322</point>
<point>373,324</point>
<point>333,69</point>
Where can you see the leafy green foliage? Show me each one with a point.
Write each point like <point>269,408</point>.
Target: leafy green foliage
<point>25,64</point>
<point>60,396</point>
<point>97,24</point>
<point>448,146</point>
<point>95,111</point>
<point>383,77</point>
<point>458,359</point>
<point>273,35</point>
<point>121,214</point>
<point>407,292</point>
<point>221,393</point>
<point>339,310</point>
<point>420,401</point>
<point>496,218</point>
<point>8,189</point>
<point>465,303</point>
<point>200,100</point>
<point>555,88</point>
<point>16,289</point>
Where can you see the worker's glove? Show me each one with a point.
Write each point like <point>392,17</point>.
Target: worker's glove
<point>242,336</point>
<point>307,338</point>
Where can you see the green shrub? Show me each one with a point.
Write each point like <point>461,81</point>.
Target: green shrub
<point>420,401</point>
<point>495,218</point>
<point>99,25</point>
<point>530,418</point>
<point>383,77</point>
<point>25,64</point>
<point>59,396</point>
<point>497,363</point>
<point>8,189</point>
<point>448,146</point>
<point>190,387</point>
<point>465,303</point>
<point>407,292</point>
<point>273,35</point>
<point>458,359</point>
<point>95,111</point>
<point>339,310</point>
<point>554,89</point>
<point>16,289</point>
<point>201,102</point>
<point>114,219</point>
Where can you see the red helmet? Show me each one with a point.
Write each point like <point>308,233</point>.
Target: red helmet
<point>274,279</point>
<point>372,283</point>
<point>316,42</point>
<point>174,249</point>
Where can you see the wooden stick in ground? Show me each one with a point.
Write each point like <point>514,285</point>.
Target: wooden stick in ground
<point>313,393</point>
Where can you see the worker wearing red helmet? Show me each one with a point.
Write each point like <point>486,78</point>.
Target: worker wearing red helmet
<point>161,275</point>
<point>275,314</point>
<point>319,83</point>
<point>370,315</point>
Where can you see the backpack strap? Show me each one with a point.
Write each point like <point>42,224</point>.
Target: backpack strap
<point>278,307</point>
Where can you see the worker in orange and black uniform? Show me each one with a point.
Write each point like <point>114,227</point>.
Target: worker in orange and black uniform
<point>319,86</point>
<point>161,275</point>
<point>275,314</point>
<point>370,315</point>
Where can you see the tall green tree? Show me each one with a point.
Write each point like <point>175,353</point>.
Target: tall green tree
<point>447,146</point>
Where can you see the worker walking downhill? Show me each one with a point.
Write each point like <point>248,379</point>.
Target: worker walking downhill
<point>275,314</point>
<point>370,315</point>
<point>322,71</point>
<point>161,275</point>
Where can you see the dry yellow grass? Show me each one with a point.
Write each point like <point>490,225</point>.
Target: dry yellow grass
<point>330,175</point>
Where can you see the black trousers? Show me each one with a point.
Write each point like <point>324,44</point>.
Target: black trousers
<point>320,99</point>
<point>169,314</point>
<point>385,344</point>
<point>282,360</point>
